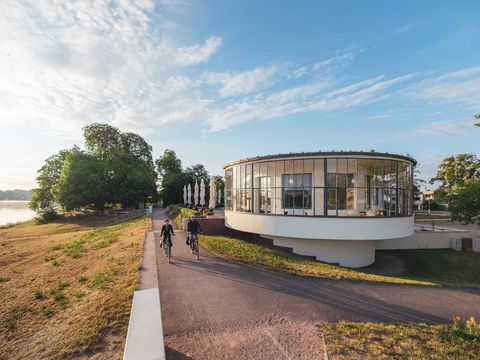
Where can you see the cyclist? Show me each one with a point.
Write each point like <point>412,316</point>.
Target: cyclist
<point>167,232</point>
<point>193,228</point>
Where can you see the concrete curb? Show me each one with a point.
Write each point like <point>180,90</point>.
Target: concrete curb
<point>145,329</point>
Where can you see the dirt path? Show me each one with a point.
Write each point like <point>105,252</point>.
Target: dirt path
<point>214,308</point>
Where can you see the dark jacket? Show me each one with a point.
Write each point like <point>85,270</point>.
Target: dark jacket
<point>193,226</point>
<point>167,230</point>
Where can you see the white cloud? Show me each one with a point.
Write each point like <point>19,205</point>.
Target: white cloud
<point>341,59</point>
<point>65,64</point>
<point>197,53</point>
<point>237,83</point>
<point>457,87</point>
<point>445,127</point>
<point>315,97</point>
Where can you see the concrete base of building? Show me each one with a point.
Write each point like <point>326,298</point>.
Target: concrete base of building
<point>348,253</point>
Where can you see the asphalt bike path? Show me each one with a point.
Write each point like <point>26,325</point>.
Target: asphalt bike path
<point>213,308</point>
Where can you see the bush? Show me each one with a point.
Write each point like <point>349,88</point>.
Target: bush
<point>466,329</point>
<point>46,216</point>
<point>208,211</point>
<point>173,211</point>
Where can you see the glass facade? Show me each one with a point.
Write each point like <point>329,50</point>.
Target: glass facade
<point>343,186</point>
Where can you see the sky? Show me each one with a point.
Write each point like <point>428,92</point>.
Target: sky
<point>219,81</point>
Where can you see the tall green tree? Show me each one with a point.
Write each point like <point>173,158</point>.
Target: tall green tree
<point>465,203</point>
<point>172,178</point>
<point>456,171</point>
<point>196,172</point>
<point>478,118</point>
<point>129,170</point>
<point>81,182</point>
<point>44,196</point>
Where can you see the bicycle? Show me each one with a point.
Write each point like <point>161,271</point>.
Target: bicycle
<point>193,243</point>
<point>167,248</point>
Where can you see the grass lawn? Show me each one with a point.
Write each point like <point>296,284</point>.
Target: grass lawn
<point>381,341</point>
<point>423,267</point>
<point>68,291</point>
<point>63,224</point>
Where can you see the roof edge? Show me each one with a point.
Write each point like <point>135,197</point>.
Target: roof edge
<point>316,153</point>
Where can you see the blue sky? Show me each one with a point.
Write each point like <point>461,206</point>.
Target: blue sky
<point>220,80</point>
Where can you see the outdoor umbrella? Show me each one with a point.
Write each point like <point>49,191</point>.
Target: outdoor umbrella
<point>212,194</point>
<point>202,193</point>
<point>184,194</point>
<point>195,194</point>
<point>189,193</point>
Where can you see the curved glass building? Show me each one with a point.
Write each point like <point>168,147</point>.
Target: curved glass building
<point>332,205</point>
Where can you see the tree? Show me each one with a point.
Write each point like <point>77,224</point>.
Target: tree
<point>81,182</point>
<point>172,178</point>
<point>478,118</point>
<point>129,171</point>
<point>44,196</point>
<point>196,172</point>
<point>220,185</point>
<point>465,203</point>
<point>455,172</point>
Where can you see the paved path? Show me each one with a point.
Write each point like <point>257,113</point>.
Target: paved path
<point>214,308</point>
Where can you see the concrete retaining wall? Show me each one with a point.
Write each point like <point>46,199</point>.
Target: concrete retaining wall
<point>419,240</point>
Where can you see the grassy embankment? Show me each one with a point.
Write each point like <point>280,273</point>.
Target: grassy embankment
<point>69,290</point>
<point>411,341</point>
<point>422,267</point>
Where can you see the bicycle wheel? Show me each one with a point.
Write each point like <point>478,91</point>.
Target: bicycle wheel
<point>197,248</point>
<point>169,253</point>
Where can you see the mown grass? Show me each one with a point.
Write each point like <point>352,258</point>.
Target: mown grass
<point>443,267</point>
<point>423,267</point>
<point>347,340</point>
<point>64,295</point>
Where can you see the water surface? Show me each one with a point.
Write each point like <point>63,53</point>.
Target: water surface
<point>14,211</point>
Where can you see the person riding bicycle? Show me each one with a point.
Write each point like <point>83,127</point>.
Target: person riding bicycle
<point>167,232</point>
<point>193,228</point>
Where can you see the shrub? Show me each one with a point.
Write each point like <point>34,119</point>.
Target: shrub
<point>38,294</point>
<point>173,211</point>
<point>45,216</point>
<point>467,329</point>
<point>82,279</point>
<point>57,294</point>
<point>48,311</point>
<point>208,211</point>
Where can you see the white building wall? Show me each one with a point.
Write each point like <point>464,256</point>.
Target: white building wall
<point>331,228</point>
<point>353,254</point>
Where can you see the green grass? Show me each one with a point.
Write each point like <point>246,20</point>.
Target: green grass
<point>423,267</point>
<point>184,212</point>
<point>445,267</point>
<point>243,251</point>
<point>346,340</point>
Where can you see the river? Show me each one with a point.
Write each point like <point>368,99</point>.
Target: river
<point>14,211</point>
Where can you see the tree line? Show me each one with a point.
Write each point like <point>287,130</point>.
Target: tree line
<point>116,168</point>
<point>459,178</point>
<point>17,194</point>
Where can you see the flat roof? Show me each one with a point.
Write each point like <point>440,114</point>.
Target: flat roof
<point>322,153</point>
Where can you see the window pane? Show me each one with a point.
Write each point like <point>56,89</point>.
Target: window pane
<point>331,199</point>
<point>288,166</point>
<point>331,165</point>
<point>352,171</point>
<point>362,173</point>
<point>318,176</point>
<point>298,166</point>
<point>342,180</point>
<point>342,166</point>
<point>331,180</point>
<point>341,198</point>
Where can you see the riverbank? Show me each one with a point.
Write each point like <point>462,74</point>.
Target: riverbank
<point>67,278</point>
